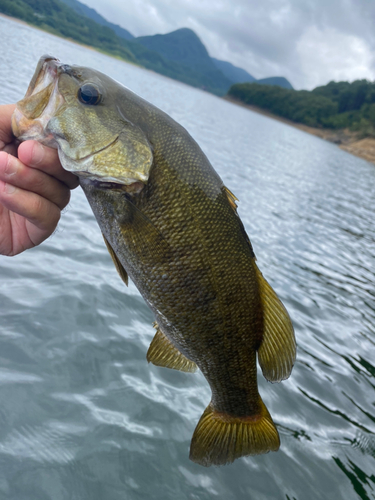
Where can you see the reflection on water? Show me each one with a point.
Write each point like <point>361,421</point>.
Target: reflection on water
<point>82,414</point>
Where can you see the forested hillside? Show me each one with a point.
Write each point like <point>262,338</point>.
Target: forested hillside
<point>84,10</point>
<point>184,47</point>
<point>56,17</point>
<point>336,105</point>
<point>233,73</point>
<point>276,80</point>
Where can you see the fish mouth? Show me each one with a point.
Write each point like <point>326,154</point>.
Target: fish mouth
<point>41,102</point>
<point>46,70</point>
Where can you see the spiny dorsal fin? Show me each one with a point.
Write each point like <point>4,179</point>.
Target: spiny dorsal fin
<point>231,198</point>
<point>163,353</point>
<point>277,352</point>
<point>232,202</point>
<point>119,266</point>
<point>220,438</point>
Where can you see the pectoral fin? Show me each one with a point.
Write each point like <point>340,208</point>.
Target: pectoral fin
<point>277,352</point>
<point>163,353</point>
<point>120,269</point>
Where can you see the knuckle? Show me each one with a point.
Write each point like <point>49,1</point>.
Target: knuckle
<point>39,183</point>
<point>45,214</point>
<point>39,207</point>
<point>65,198</point>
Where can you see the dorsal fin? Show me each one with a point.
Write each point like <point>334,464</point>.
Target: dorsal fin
<point>232,202</point>
<point>163,353</point>
<point>277,352</point>
<point>118,265</point>
<point>231,198</point>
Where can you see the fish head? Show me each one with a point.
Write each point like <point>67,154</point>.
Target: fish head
<point>77,111</point>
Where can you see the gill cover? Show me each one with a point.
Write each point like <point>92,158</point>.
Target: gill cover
<point>119,154</point>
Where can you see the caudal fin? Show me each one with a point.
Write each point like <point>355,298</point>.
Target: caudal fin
<point>219,438</point>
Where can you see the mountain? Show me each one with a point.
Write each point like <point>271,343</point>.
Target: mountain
<point>280,81</point>
<point>84,10</point>
<point>184,47</point>
<point>58,18</point>
<point>233,73</point>
<point>180,55</point>
<point>239,75</point>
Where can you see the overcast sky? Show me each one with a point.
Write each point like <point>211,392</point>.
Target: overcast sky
<point>310,42</point>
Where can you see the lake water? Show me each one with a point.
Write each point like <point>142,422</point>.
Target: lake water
<point>82,414</point>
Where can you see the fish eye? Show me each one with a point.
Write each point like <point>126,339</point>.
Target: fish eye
<point>89,94</point>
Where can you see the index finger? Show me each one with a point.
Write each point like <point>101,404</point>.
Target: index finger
<point>35,155</point>
<point>6,134</point>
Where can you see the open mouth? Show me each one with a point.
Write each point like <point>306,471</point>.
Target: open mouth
<point>41,102</point>
<point>45,72</point>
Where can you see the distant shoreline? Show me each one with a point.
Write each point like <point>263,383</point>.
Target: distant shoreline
<point>90,47</point>
<point>345,139</point>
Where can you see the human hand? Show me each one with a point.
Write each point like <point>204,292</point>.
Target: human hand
<point>34,188</point>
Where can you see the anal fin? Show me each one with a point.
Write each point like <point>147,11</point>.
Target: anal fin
<point>119,267</point>
<point>277,352</point>
<point>163,353</point>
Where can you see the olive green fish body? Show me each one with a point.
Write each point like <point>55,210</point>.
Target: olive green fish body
<point>172,226</point>
<point>196,273</point>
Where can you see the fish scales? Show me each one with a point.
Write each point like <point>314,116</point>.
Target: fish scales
<point>210,261</point>
<point>178,236</point>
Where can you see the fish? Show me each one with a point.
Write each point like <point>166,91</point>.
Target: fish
<point>172,227</point>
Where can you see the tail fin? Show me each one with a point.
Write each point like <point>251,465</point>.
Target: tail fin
<point>219,438</point>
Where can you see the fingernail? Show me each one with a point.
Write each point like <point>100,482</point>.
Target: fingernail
<point>9,188</point>
<point>37,154</point>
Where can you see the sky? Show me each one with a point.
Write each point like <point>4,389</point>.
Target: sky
<point>309,42</point>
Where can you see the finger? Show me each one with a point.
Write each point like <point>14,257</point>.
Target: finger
<point>6,134</point>
<point>15,173</point>
<point>41,213</point>
<point>40,157</point>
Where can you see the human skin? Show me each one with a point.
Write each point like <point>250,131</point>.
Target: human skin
<point>34,188</point>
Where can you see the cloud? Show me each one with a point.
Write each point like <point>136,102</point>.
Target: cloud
<point>308,42</point>
<point>347,57</point>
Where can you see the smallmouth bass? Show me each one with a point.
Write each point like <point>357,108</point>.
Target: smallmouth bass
<point>171,225</point>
